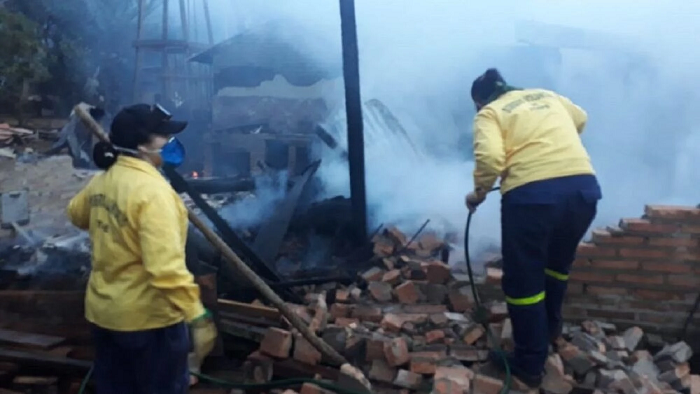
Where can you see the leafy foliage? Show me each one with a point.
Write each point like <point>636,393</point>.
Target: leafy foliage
<point>85,47</point>
<point>23,58</point>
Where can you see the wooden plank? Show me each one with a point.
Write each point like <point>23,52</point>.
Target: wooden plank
<point>250,310</point>
<point>241,330</point>
<point>271,234</point>
<point>256,321</point>
<point>30,340</point>
<point>291,368</point>
<point>53,364</point>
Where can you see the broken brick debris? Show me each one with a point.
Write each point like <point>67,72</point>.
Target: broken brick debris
<point>407,326</point>
<point>405,341</point>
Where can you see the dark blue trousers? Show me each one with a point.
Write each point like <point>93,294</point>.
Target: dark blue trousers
<point>542,224</point>
<point>142,362</point>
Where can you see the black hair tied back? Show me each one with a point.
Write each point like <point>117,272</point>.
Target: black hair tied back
<point>488,86</point>
<point>104,155</point>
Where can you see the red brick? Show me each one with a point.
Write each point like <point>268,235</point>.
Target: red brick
<point>645,226</point>
<point>430,243</point>
<point>415,318</point>
<point>396,236</point>
<point>392,322</point>
<point>310,388</point>
<point>474,334</point>
<point>574,288</point>
<point>645,253</point>
<point>452,380</point>
<point>346,321</point>
<point>383,248</point>
<point>605,314</point>
<point>434,336</point>
<point>382,372</point>
<point>449,386</point>
<point>425,362</point>
<point>461,298</point>
<point>424,309</point>
<point>493,276</point>
<point>396,352</point>
<point>392,277</point>
<point>605,237</point>
<point>408,379</point>
<point>367,313</point>
<point>487,385</point>
<point>591,250</point>
<point>694,384</point>
<point>654,295</point>
<point>305,352</point>
<point>340,310</point>
<point>672,267</point>
<point>640,279</point>
<point>375,349</point>
<point>690,229</point>
<point>407,293</point>
<point>373,274</point>
<point>672,212</point>
<point>342,295</point>
<point>380,291</point>
<point>615,264</point>
<point>675,242</point>
<point>684,280</point>
<point>600,290</point>
<point>437,272</point>
<point>276,342</point>
<point>587,276</point>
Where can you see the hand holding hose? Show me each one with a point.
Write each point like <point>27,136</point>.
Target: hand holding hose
<point>473,200</point>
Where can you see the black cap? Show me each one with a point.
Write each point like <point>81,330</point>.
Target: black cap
<point>135,125</point>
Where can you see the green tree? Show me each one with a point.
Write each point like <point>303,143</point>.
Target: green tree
<point>23,60</point>
<point>90,47</point>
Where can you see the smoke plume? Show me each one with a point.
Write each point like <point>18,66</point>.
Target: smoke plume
<point>632,71</point>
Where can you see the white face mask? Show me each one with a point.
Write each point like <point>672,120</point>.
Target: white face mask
<point>147,151</point>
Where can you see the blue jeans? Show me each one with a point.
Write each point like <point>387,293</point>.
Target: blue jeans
<point>541,225</point>
<point>141,362</point>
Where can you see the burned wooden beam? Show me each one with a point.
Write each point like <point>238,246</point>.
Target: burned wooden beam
<point>24,339</point>
<point>353,108</point>
<point>330,141</point>
<point>220,185</point>
<point>242,330</point>
<point>250,310</point>
<point>229,236</point>
<point>269,239</point>
<point>43,362</point>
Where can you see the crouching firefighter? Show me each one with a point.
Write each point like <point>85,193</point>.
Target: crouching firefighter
<point>530,138</point>
<point>141,300</point>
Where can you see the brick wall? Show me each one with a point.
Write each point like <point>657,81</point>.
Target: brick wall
<point>644,272</point>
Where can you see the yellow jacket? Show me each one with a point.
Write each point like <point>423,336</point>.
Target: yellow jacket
<point>528,135</point>
<point>138,229</point>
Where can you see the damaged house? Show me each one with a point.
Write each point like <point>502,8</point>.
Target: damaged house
<point>267,102</point>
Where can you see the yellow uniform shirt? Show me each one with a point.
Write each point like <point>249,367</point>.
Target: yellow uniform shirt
<point>528,135</point>
<point>138,229</point>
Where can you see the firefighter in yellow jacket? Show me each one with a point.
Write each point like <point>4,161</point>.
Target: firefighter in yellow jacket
<point>530,139</point>
<point>142,301</point>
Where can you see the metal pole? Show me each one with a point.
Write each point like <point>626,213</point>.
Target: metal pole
<point>137,68</point>
<point>353,108</point>
<point>164,63</point>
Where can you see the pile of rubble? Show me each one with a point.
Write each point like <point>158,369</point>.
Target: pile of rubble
<point>408,325</point>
